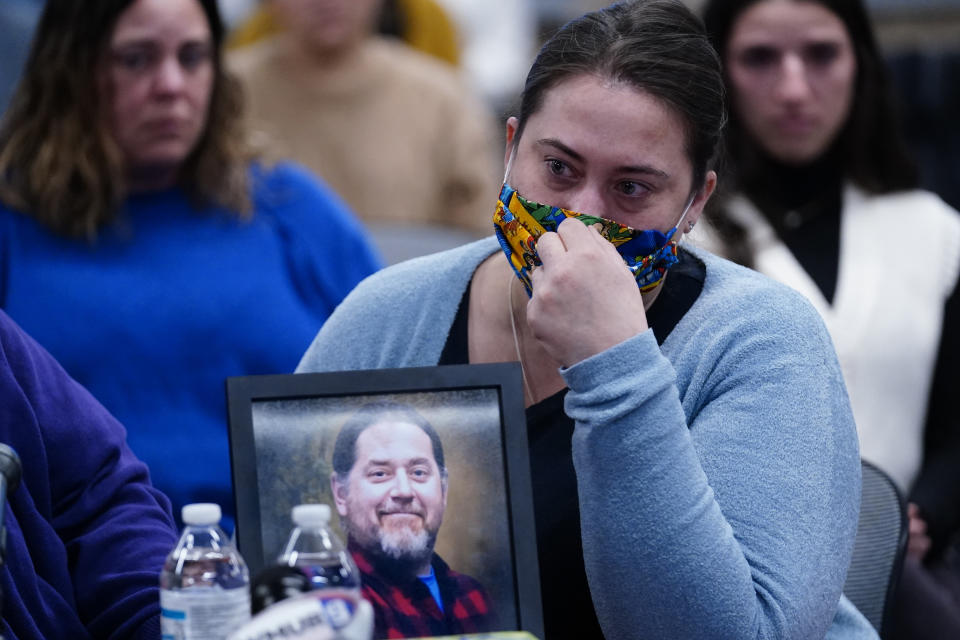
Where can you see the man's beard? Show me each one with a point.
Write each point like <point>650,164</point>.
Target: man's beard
<point>407,547</point>
<point>399,549</point>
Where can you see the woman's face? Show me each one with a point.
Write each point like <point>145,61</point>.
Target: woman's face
<point>792,69</point>
<point>606,149</point>
<point>156,80</point>
<point>329,27</point>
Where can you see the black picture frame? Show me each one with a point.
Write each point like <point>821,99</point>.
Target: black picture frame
<point>282,428</point>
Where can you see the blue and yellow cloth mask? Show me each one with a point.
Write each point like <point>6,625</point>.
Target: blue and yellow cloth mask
<point>519,223</point>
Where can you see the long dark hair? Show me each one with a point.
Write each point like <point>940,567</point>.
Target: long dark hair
<point>58,162</point>
<point>656,46</point>
<point>870,145</point>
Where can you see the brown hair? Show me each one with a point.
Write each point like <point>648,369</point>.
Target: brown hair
<point>58,161</point>
<point>656,46</point>
<point>345,447</point>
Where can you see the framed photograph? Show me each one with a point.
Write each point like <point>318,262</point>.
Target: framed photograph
<point>436,452</point>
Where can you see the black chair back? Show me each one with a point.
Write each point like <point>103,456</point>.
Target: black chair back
<point>879,548</point>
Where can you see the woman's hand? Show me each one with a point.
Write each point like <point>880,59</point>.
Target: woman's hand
<point>585,299</point>
<point>918,542</point>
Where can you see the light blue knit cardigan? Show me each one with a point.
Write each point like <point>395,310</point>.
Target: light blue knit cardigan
<point>718,473</point>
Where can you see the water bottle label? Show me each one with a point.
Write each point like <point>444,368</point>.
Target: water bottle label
<point>202,613</point>
<point>309,616</point>
<point>337,609</point>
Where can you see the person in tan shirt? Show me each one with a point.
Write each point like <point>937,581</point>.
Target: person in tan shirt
<point>396,133</point>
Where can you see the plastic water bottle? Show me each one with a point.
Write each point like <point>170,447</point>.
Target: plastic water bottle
<point>204,584</point>
<point>316,551</point>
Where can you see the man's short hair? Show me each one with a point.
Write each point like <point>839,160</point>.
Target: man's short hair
<point>345,447</point>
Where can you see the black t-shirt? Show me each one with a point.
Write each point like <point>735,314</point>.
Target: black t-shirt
<point>567,607</point>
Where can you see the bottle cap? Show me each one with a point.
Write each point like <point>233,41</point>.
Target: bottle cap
<point>311,515</point>
<point>201,513</point>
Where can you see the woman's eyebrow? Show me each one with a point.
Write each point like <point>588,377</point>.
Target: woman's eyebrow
<point>641,169</point>
<point>556,144</point>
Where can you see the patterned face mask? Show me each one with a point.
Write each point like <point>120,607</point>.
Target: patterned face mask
<point>519,223</point>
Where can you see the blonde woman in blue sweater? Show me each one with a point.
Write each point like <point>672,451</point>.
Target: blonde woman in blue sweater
<point>142,245</point>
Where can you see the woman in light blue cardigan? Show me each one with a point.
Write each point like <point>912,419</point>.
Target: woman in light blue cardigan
<point>708,459</point>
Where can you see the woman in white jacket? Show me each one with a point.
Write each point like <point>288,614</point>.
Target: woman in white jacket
<point>822,196</point>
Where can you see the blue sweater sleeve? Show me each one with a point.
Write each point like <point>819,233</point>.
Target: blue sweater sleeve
<point>730,514</point>
<point>94,528</point>
<point>327,247</point>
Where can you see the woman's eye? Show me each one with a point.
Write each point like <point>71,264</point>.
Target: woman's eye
<point>556,167</point>
<point>629,188</point>
<point>758,57</point>
<point>135,60</point>
<point>193,56</point>
<point>822,54</point>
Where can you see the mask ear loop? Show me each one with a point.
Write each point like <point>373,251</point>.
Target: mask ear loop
<point>683,215</point>
<point>513,155</point>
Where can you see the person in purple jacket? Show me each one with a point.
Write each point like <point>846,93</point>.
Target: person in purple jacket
<point>86,533</point>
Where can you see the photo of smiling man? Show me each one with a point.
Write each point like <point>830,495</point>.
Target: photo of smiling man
<point>389,485</point>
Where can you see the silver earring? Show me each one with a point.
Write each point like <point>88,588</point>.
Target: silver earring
<point>690,226</point>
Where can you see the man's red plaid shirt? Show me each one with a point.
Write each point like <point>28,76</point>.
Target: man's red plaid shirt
<point>404,607</point>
